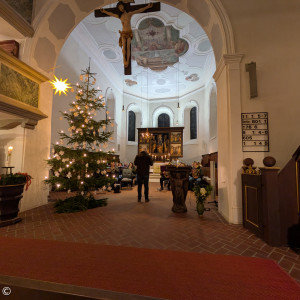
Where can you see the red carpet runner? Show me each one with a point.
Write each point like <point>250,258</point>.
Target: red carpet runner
<point>156,273</point>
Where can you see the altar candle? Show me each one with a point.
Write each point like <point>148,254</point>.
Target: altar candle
<point>9,153</point>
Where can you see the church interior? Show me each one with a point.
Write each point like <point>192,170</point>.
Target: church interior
<point>211,86</point>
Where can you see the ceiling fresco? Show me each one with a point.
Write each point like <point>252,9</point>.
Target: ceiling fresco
<point>172,55</point>
<point>157,46</point>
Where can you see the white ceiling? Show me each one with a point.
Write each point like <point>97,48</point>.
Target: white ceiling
<point>173,82</point>
<point>101,35</point>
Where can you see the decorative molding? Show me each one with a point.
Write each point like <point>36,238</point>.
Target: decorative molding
<point>232,58</point>
<point>84,38</point>
<point>21,67</point>
<point>31,114</point>
<point>197,42</point>
<point>134,107</point>
<point>15,19</point>
<point>29,124</point>
<point>219,69</point>
<point>226,60</point>
<point>189,104</point>
<point>10,123</point>
<point>162,109</point>
<point>229,37</point>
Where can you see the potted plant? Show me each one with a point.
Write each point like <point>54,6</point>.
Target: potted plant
<point>202,190</point>
<point>11,192</point>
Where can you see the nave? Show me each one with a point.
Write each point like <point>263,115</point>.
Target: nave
<point>152,225</point>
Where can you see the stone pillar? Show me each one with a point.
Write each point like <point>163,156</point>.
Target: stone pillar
<point>230,156</point>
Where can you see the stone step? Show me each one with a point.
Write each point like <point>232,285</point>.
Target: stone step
<point>154,177</point>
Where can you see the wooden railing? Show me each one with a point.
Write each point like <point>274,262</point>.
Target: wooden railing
<point>271,204</point>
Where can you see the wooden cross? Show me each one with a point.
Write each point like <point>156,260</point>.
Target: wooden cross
<point>124,11</point>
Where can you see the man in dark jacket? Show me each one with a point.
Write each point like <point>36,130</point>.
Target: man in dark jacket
<point>143,161</point>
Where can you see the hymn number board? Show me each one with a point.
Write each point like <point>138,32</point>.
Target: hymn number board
<point>255,132</point>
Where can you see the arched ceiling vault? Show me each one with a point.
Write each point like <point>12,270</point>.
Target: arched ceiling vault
<point>208,37</point>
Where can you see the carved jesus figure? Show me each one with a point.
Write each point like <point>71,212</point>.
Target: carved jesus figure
<point>126,33</point>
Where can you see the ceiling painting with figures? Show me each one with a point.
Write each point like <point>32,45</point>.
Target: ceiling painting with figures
<point>156,45</point>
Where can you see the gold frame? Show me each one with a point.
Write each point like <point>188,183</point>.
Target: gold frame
<point>30,113</point>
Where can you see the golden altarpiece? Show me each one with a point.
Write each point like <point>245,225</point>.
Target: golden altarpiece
<point>162,143</point>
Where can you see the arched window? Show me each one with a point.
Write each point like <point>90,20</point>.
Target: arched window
<point>131,126</point>
<point>193,123</point>
<point>163,120</point>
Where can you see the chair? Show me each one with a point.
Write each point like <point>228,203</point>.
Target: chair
<point>127,177</point>
<point>166,182</point>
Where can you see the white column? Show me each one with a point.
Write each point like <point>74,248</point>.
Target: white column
<point>229,133</point>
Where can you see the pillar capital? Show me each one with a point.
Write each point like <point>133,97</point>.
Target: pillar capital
<point>232,61</point>
<point>232,58</point>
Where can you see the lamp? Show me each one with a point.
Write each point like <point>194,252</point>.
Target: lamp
<point>60,86</point>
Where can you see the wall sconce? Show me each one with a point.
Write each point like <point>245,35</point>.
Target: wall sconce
<point>178,106</point>
<point>251,69</point>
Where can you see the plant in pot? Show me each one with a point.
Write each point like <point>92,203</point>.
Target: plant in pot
<point>11,192</point>
<point>202,190</point>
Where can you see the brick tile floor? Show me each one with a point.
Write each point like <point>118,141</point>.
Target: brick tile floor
<point>126,222</point>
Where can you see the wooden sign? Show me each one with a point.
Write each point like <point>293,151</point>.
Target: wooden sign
<point>255,132</point>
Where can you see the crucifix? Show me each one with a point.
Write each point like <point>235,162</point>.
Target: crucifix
<point>124,11</point>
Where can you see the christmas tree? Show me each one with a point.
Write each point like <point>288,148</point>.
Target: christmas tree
<point>78,164</point>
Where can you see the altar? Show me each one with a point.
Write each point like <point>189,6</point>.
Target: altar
<point>155,171</point>
<point>162,143</point>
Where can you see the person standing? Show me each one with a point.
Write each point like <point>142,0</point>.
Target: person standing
<point>143,161</point>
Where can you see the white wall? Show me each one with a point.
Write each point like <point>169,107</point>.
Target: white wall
<point>15,138</point>
<point>268,34</point>
<point>213,119</point>
<point>72,59</point>
<point>149,111</point>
